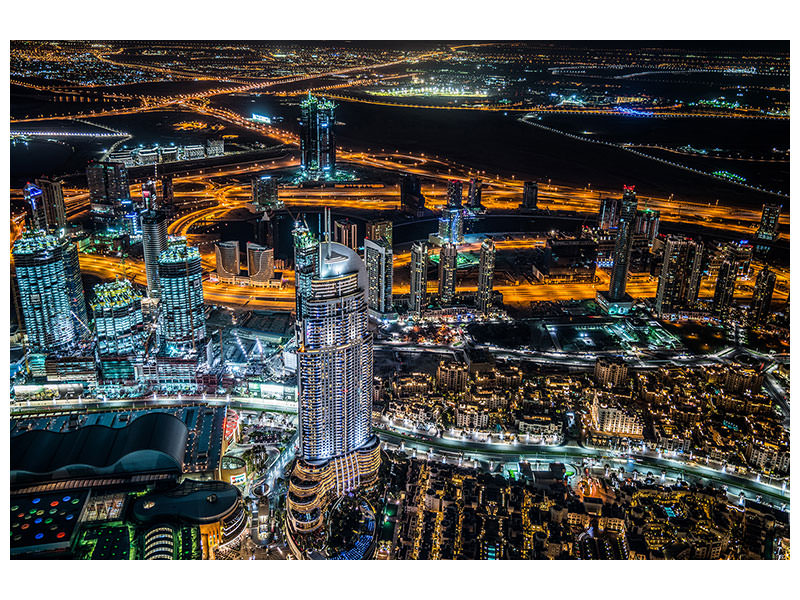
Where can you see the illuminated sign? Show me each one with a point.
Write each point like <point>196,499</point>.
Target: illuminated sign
<point>261,119</point>
<point>237,479</point>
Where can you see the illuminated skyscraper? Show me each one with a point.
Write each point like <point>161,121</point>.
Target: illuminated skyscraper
<point>345,232</point>
<point>117,309</point>
<point>77,300</point>
<point>455,194</point>
<point>412,202</point>
<point>608,217</point>
<point>34,200</point>
<point>447,273</point>
<point>150,194</point>
<point>419,277</point>
<point>44,291</point>
<point>228,261</point>
<point>770,217</point>
<point>378,259</point>
<point>265,193</point>
<point>724,289</point>
<point>52,199</point>
<point>530,195</point>
<point>108,189</point>
<point>486,275</point>
<point>182,316</point>
<point>260,264</point>
<point>762,296</point>
<point>474,194</point>
<point>622,246</point>
<point>338,452</point>
<point>317,144</point>
<point>681,271</point>
<point>646,224</point>
<point>377,230</point>
<point>154,242</point>
<point>167,190</point>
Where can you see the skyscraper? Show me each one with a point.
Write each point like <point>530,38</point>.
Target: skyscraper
<point>228,261</point>
<point>681,271</point>
<point>608,217</point>
<point>474,194</point>
<point>338,452</point>
<point>647,222</point>
<point>260,264</point>
<point>419,277</point>
<point>770,217</point>
<point>167,190</point>
<point>377,230</point>
<point>724,289</point>
<point>412,202</point>
<point>154,242</point>
<point>530,195</point>
<point>182,317</point>
<point>455,194</point>
<point>346,232</point>
<point>451,226</point>
<point>44,291</point>
<point>108,189</point>
<point>77,299</point>
<point>622,246</point>
<point>53,198</point>
<point>447,273</point>
<point>150,194</point>
<point>317,144</point>
<point>486,275</point>
<point>265,193</point>
<point>117,309</point>
<point>762,296</point>
<point>37,212</point>
<point>378,260</point>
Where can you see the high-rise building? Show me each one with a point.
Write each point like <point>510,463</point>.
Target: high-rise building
<point>451,226</point>
<point>377,230</point>
<point>53,198</point>
<point>338,452</point>
<point>150,194</point>
<point>167,190</point>
<point>419,277</point>
<point>530,195</point>
<point>622,246</point>
<point>108,189</point>
<point>306,263</point>
<point>455,194</point>
<point>724,289</point>
<point>260,264</point>
<point>608,217</point>
<point>378,260</point>
<point>486,275</point>
<point>447,273</point>
<point>265,193</point>
<point>317,144</point>
<point>474,194</point>
<point>681,271</point>
<point>770,217</point>
<point>34,201</point>
<point>182,317</point>
<point>117,310</point>
<point>215,147</point>
<point>646,224</point>
<point>228,261</point>
<point>77,299</point>
<point>762,296</point>
<point>346,232</point>
<point>154,242</point>
<point>44,292</point>
<point>412,202</point>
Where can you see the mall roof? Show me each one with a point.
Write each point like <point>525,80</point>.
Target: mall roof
<point>192,501</point>
<point>154,442</point>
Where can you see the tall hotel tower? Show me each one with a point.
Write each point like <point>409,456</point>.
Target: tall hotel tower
<point>317,145</point>
<point>338,452</point>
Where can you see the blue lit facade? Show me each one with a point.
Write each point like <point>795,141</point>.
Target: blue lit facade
<point>182,315</point>
<point>44,292</point>
<point>117,310</point>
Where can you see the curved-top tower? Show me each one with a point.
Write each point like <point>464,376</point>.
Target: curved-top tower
<point>338,452</point>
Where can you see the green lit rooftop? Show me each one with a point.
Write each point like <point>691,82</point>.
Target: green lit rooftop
<point>32,242</point>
